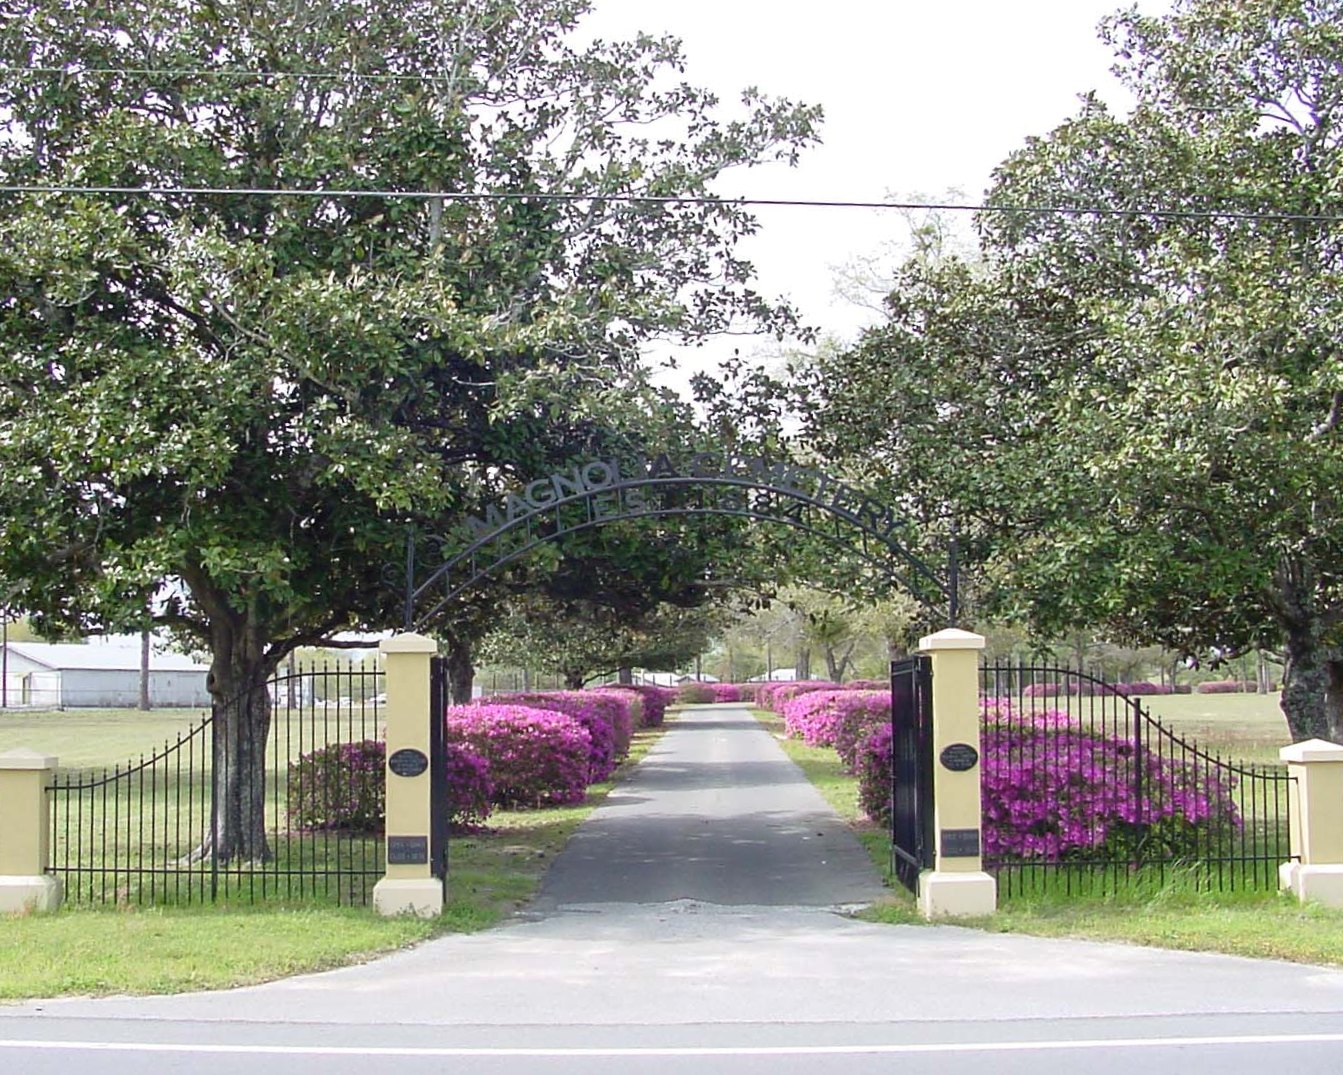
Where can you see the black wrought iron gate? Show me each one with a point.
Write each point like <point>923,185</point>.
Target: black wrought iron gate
<point>911,769</point>
<point>440,809</point>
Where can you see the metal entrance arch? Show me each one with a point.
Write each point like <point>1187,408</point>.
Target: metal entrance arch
<point>601,491</point>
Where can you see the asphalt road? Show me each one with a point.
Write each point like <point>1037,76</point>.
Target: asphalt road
<point>696,924</point>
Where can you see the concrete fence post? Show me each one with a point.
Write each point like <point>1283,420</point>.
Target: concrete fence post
<point>1316,810</point>
<point>25,832</point>
<point>409,886</point>
<point>957,885</point>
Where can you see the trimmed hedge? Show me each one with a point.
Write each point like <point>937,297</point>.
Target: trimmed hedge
<point>632,705</point>
<point>1225,686</point>
<point>536,757</point>
<point>694,694</point>
<point>655,699</point>
<point>595,713</point>
<point>774,695</point>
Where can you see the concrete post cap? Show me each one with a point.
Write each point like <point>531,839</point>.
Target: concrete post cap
<point>952,638</point>
<point>408,643</point>
<point>1312,750</point>
<point>23,758</point>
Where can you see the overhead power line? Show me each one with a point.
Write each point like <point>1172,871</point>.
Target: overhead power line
<point>655,199</point>
<point>225,72</point>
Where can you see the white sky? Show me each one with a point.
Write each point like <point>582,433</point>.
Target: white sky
<point>920,98</point>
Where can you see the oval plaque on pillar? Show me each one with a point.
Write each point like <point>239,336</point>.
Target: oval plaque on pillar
<point>959,757</point>
<point>408,762</point>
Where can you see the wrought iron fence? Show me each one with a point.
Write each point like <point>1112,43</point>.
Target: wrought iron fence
<point>1085,790</point>
<point>155,830</point>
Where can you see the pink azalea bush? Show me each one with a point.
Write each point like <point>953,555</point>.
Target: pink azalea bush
<point>1223,686</point>
<point>812,717</point>
<point>632,706</point>
<point>860,714</point>
<point>343,787</point>
<point>694,694</point>
<point>470,787</point>
<point>536,757</point>
<point>842,719</point>
<point>619,709</point>
<point>1053,790</point>
<point>774,695</point>
<point>874,775</point>
<point>592,712</point>
<point>1074,686</point>
<point>655,700</point>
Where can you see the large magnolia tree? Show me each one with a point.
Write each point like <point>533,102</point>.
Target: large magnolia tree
<point>1133,402</point>
<point>231,403</point>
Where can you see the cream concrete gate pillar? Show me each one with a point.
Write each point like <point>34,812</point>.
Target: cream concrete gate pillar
<point>409,886</point>
<point>1316,807</point>
<point>25,832</point>
<point>957,885</point>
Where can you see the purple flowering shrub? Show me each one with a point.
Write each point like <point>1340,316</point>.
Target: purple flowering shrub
<point>1143,687</point>
<point>874,775</point>
<point>470,787</point>
<point>725,692</point>
<point>618,710</point>
<point>655,699</point>
<point>1074,686</point>
<point>774,695</point>
<point>1053,790</point>
<point>842,719</point>
<point>694,694</point>
<point>860,714</point>
<point>536,757</point>
<point>584,708</point>
<point>812,717</point>
<point>343,787</point>
<point>631,713</point>
<point>1223,686</point>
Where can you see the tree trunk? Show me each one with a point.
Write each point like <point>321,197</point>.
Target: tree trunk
<point>803,670</point>
<point>1312,689</point>
<point>1312,682</point>
<point>573,681</point>
<point>237,681</point>
<point>461,671</point>
<point>625,677</point>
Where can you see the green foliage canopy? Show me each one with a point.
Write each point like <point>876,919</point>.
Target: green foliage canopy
<point>240,400</point>
<point>1133,401</point>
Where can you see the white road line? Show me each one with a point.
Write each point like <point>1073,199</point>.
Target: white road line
<point>374,1051</point>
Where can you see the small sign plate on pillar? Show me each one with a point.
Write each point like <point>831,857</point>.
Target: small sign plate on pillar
<point>408,762</point>
<point>960,843</point>
<point>959,757</point>
<point>407,851</point>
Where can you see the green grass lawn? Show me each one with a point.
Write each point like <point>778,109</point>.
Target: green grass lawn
<point>90,738</point>
<point>1249,727</point>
